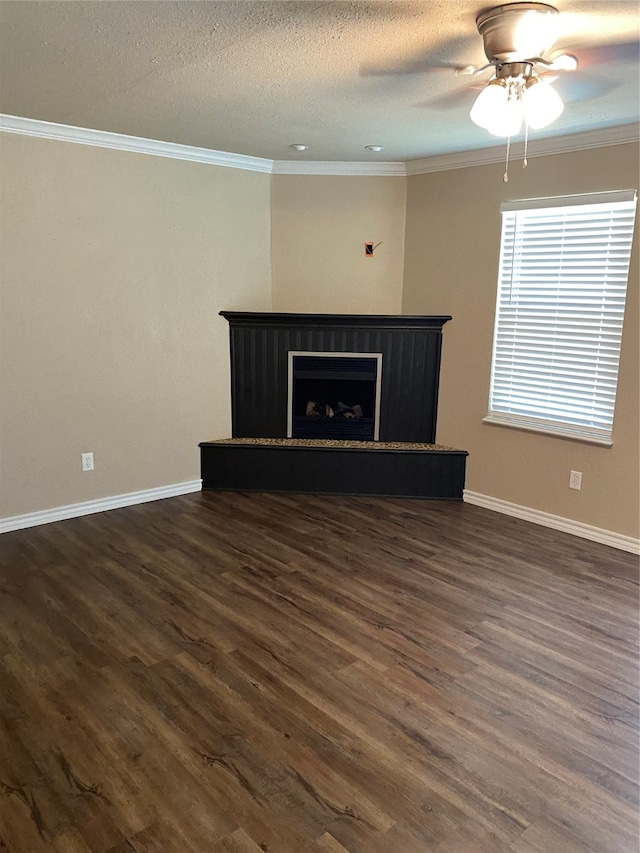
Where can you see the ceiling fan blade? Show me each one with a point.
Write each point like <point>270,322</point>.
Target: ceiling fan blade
<point>590,56</point>
<point>411,66</point>
<point>562,62</point>
<point>472,71</point>
<point>441,56</point>
<point>579,89</point>
<point>460,98</point>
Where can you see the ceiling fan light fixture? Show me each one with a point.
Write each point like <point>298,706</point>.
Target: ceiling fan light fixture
<point>541,104</point>
<point>516,37</point>
<point>514,95</point>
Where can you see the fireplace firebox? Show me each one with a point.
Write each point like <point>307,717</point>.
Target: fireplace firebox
<point>334,395</point>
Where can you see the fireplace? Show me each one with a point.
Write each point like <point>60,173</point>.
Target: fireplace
<point>334,395</point>
<point>332,404</point>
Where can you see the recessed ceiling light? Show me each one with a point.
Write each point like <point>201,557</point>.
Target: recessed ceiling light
<point>297,146</point>
<point>375,148</point>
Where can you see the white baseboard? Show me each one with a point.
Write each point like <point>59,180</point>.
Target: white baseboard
<point>545,519</point>
<point>59,513</point>
<point>557,522</point>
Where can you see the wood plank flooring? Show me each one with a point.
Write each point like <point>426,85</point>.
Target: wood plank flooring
<point>248,673</point>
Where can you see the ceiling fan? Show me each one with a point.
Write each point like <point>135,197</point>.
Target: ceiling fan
<point>518,38</point>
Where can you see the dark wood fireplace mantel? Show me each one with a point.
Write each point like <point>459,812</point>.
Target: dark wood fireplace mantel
<point>321,321</point>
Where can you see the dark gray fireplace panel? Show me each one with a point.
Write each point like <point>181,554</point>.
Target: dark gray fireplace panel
<point>410,348</point>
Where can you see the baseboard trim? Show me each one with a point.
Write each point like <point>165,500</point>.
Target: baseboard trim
<point>60,513</point>
<point>545,519</point>
<point>556,522</point>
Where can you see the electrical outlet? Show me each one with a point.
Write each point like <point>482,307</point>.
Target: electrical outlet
<point>575,480</point>
<point>87,461</point>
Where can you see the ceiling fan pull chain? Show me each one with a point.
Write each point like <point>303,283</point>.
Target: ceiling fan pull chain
<point>505,177</point>
<point>526,143</point>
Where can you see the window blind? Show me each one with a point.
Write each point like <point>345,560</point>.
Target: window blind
<point>564,265</point>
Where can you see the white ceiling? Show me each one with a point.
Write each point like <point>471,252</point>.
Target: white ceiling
<point>253,77</point>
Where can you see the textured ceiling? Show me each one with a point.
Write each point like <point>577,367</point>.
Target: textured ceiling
<point>254,77</point>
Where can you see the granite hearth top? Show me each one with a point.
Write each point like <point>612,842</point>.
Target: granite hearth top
<point>338,444</point>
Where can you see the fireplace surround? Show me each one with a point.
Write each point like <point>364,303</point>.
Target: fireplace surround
<point>372,429</point>
<point>410,348</point>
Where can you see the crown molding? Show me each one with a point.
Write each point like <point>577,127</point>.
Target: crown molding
<point>439,163</point>
<point>618,135</point>
<point>120,142</point>
<point>338,167</point>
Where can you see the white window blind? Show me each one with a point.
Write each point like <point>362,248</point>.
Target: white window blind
<point>564,264</point>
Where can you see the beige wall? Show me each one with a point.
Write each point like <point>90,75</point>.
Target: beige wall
<point>451,265</point>
<point>114,267</point>
<point>320,224</point>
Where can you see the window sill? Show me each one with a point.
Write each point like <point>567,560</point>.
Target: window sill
<point>548,430</point>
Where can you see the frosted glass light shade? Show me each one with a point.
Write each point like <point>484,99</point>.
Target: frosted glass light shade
<point>489,102</point>
<point>541,104</point>
<point>496,111</point>
<point>508,120</point>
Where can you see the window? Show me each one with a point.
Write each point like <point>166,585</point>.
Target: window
<point>564,264</point>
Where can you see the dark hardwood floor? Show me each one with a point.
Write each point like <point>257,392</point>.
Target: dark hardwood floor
<point>248,673</point>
